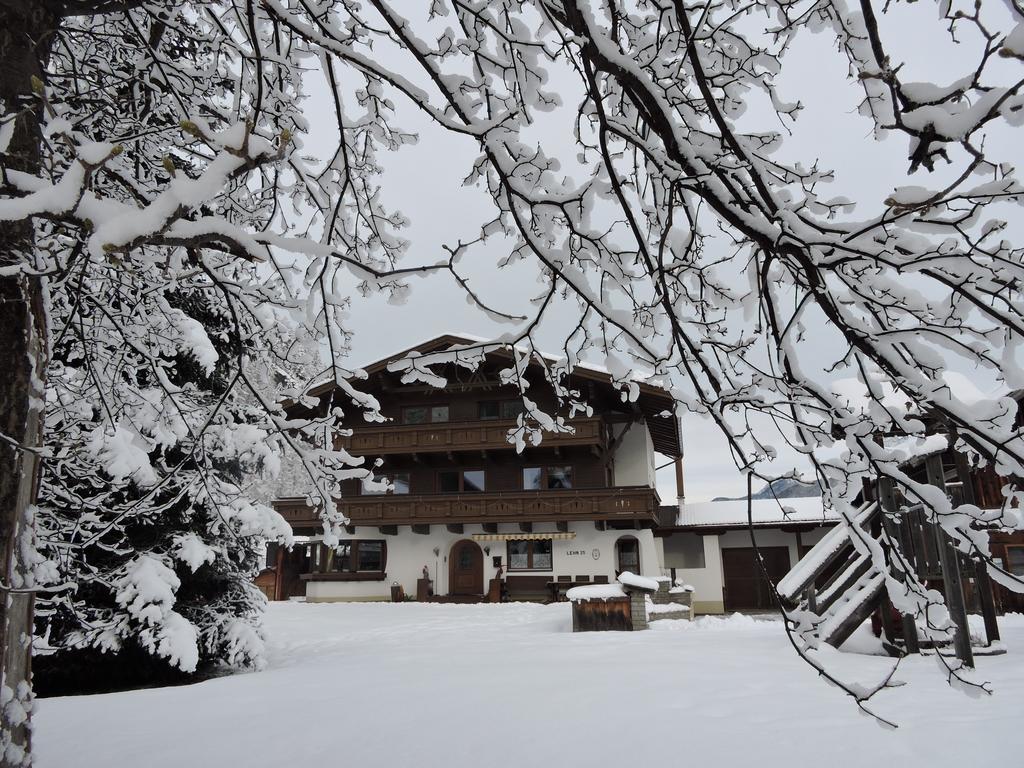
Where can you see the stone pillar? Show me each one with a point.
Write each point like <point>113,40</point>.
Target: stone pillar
<point>638,609</point>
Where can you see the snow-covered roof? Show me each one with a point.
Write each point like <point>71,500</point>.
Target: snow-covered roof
<point>652,398</point>
<point>718,514</point>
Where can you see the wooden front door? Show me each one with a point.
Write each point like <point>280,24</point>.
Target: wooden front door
<point>745,586</point>
<point>466,569</point>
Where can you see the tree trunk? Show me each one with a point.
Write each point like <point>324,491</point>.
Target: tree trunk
<point>26,29</point>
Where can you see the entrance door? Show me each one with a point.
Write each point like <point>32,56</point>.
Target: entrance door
<point>466,569</point>
<point>745,586</point>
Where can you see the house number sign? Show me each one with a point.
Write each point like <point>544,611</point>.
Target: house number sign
<point>576,552</point>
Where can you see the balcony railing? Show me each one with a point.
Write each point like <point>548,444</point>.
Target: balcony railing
<point>623,503</point>
<point>458,436</point>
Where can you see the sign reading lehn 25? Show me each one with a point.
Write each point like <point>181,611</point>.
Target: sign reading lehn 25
<point>596,553</point>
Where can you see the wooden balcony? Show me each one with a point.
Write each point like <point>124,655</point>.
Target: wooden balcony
<point>605,504</point>
<point>458,436</point>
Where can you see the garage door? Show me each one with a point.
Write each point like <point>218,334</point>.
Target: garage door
<point>745,587</point>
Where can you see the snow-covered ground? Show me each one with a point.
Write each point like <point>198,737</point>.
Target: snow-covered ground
<point>510,685</point>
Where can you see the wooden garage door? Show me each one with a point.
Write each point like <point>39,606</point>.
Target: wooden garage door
<point>745,586</point>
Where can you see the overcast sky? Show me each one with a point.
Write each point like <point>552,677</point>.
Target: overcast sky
<point>424,182</point>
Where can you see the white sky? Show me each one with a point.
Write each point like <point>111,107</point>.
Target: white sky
<point>424,182</point>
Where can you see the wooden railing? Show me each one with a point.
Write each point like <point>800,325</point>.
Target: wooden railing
<point>458,436</point>
<point>624,503</point>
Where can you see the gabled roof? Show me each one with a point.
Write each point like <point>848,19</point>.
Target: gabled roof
<point>651,401</point>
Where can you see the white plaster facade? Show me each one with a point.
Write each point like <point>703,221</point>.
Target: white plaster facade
<point>634,456</point>
<point>709,581</point>
<point>590,552</point>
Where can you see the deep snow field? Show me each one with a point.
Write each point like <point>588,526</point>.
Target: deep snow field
<point>425,686</point>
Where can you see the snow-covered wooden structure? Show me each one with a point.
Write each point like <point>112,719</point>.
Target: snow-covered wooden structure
<point>840,583</point>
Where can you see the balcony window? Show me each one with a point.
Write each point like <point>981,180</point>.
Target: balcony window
<point>400,481</point>
<point>474,481</point>
<point>510,409</point>
<point>1015,560</point>
<point>529,555</point>
<point>559,477</point>
<point>549,478</point>
<point>425,414</point>
<point>533,478</point>
<point>462,481</point>
<point>415,415</point>
<point>500,409</point>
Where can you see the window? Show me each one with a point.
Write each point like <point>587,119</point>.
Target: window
<point>425,414</point>
<point>490,409</point>
<point>357,556</point>
<point>684,550</point>
<point>415,415</point>
<point>510,409</point>
<point>461,481</point>
<point>534,555</point>
<point>1015,560</point>
<point>551,478</point>
<point>627,553</point>
<point>400,481</point>
<point>559,477</point>
<point>474,481</point>
<point>533,478</point>
<point>500,409</point>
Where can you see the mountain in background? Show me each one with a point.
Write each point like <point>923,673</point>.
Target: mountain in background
<point>784,488</point>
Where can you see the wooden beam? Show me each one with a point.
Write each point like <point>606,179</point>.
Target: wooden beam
<point>490,527</point>
<point>526,527</point>
<point>454,527</point>
<point>982,582</point>
<point>388,530</point>
<point>350,530</point>
<point>680,494</point>
<point>887,502</point>
<point>562,525</point>
<point>950,563</point>
<point>424,529</point>
<point>600,525</point>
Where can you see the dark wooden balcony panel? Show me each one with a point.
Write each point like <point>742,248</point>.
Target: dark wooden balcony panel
<point>626,503</point>
<point>458,436</point>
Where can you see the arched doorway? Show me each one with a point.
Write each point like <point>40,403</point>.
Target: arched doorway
<point>466,569</point>
<point>627,555</point>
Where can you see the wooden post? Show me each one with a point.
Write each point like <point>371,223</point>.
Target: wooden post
<point>680,491</point>
<point>982,582</point>
<point>951,572</point>
<point>811,595</point>
<point>887,500</point>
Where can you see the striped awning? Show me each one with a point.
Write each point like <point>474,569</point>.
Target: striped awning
<point>523,536</point>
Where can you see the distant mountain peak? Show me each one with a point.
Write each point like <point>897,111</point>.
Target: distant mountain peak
<point>783,488</point>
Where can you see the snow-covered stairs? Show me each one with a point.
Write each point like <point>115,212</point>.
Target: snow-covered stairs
<point>836,581</point>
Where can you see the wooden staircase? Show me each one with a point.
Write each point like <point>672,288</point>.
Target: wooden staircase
<point>836,581</point>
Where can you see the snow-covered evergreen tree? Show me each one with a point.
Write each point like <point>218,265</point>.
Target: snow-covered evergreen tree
<point>154,560</point>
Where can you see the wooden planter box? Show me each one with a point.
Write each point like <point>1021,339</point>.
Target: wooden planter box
<point>601,614</point>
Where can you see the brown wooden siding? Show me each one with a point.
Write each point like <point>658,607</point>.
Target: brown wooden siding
<point>459,436</point>
<point>636,503</point>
